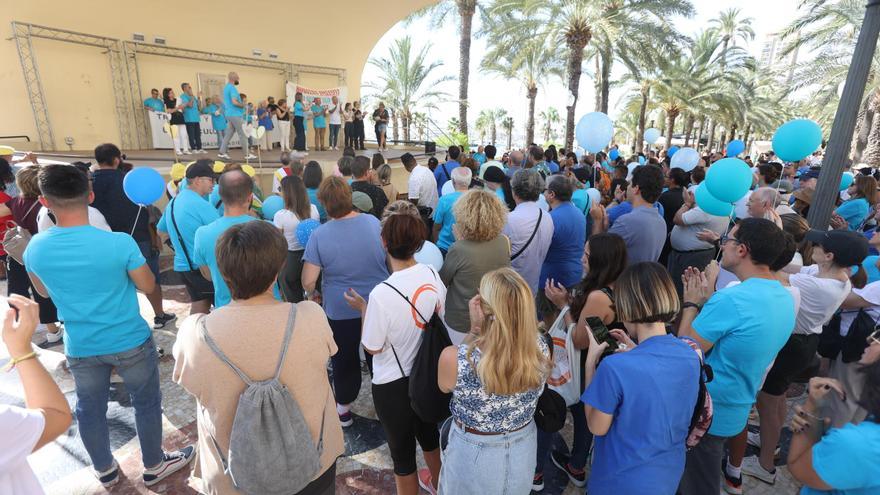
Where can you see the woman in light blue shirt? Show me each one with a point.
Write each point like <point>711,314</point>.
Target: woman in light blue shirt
<point>320,122</point>
<point>862,197</point>
<point>299,126</point>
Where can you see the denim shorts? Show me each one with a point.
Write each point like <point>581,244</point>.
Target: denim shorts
<point>151,254</point>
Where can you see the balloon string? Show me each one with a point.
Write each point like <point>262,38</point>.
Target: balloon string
<point>726,231</point>
<point>136,218</point>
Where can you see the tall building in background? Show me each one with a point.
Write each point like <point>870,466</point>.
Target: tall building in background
<point>772,57</point>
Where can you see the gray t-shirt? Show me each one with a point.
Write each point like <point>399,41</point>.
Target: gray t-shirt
<point>644,231</point>
<point>684,237</point>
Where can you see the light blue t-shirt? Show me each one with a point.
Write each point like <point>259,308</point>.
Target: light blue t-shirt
<point>479,158</point>
<point>264,117</point>
<point>203,253</point>
<point>218,122</point>
<point>581,201</point>
<point>870,267</point>
<point>230,92</point>
<point>313,198</point>
<point>191,211</point>
<point>319,121</point>
<point>651,391</point>
<point>848,459</point>
<point>854,211</point>
<point>563,261</point>
<point>443,215</point>
<point>298,109</point>
<point>85,270</point>
<point>155,103</point>
<point>190,114</point>
<point>748,324</point>
<point>332,247</point>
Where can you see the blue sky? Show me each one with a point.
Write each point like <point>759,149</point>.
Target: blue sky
<point>486,91</point>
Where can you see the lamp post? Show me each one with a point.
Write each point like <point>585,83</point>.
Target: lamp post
<point>838,149</point>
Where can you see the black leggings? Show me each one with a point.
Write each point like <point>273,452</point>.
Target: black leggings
<point>194,133</point>
<point>349,134</point>
<point>359,134</point>
<point>402,425</point>
<point>290,279</point>
<point>299,139</point>
<point>347,361</point>
<point>18,282</point>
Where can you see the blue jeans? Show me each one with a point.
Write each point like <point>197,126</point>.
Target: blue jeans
<point>334,134</point>
<point>480,464</point>
<point>139,369</point>
<point>580,444</point>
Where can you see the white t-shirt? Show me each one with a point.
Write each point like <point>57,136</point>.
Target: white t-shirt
<point>684,237</point>
<point>870,293</point>
<point>20,430</point>
<point>423,186</point>
<point>96,219</point>
<point>335,117</point>
<point>390,320</point>
<point>820,298</point>
<point>286,221</point>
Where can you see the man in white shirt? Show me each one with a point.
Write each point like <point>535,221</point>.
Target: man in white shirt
<point>291,164</point>
<point>335,112</point>
<point>529,228</point>
<point>490,151</point>
<point>422,186</point>
<point>687,247</point>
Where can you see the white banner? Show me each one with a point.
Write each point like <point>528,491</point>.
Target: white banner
<point>309,95</point>
<point>162,140</point>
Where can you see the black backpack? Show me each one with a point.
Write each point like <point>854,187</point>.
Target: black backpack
<point>851,346</point>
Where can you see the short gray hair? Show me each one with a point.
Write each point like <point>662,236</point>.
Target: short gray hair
<point>461,177</point>
<point>527,184</point>
<point>767,195</point>
<point>561,186</point>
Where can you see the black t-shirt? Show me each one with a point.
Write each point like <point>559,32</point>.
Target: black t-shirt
<point>671,201</point>
<point>376,194</point>
<point>118,210</point>
<point>380,115</point>
<point>272,107</point>
<point>176,115</point>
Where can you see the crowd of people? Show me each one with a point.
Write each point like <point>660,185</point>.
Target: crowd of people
<point>657,327</point>
<point>233,114</point>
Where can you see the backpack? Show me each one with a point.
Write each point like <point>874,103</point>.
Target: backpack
<point>565,375</point>
<point>851,346</point>
<point>426,398</point>
<point>16,238</point>
<point>701,420</point>
<point>270,446</point>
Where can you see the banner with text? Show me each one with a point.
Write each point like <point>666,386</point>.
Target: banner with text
<point>162,140</point>
<point>309,95</point>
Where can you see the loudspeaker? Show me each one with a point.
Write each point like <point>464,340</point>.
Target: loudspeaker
<point>430,147</point>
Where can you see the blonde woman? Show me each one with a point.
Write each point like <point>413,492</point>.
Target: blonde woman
<point>479,248</point>
<point>384,175</point>
<point>495,377</point>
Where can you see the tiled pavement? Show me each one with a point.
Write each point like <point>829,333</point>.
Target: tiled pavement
<point>63,466</point>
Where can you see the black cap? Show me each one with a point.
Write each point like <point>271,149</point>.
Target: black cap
<point>812,173</point>
<point>849,248</point>
<point>201,168</point>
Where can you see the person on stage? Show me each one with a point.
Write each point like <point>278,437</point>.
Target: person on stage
<point>174,106</point>
<point>234,108</point>
<point>299,123</point>
<point>214,108</point>
<point>153,103</point>
<point>192,107</point>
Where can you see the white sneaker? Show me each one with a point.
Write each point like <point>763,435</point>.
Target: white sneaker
<point>250,156</point>
<point>754,439</point>
<point>752,467</point>
<point>203,152</point>
<point>186,152</point>
<point>53,338</point>
<point>222,155</point>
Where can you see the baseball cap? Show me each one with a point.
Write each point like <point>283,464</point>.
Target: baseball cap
<point>494,173</point>
<point>201,168</point>
<point>812,173</point>
<point>849,248</point>
<point>361,201</point>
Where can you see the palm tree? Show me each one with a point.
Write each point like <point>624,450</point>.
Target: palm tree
<point>420,120</point>
<point>498,115</point>
<point>507,125</point>
<point>453,124</point>
<point>462,12</point>
<point>485,121</point>
<point>550,117</point>
<point>404,82</point>
<point>645,68</point>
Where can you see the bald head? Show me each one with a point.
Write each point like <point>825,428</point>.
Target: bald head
<point>236,188</point>
<point>516,157</point>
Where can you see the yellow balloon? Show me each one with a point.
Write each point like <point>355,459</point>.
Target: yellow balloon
<point>219,167</point>
<point>248,170</point>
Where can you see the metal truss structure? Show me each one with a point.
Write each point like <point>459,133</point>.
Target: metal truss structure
<point>125,76</point>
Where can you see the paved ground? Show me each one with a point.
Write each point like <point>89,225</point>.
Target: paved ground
<point>365,468</point>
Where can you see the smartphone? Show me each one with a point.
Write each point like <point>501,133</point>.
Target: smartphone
<point>601,333</point>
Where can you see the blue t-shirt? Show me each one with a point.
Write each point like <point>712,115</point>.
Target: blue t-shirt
<point>870,266</point>
<point>848,459</point>
<point>651,391</point>
<point>748,324</point>
<point>155,103</point>
<point>191,211</point>
<point>563,261</point>
<point>854,211</point>
<point>332,246</point>
<point>622,209</point>
<point>265,118</point>
<point>319,121</point>
<point>218,122</point>
<point>443,173</point>
<point>443,215</point>
<point>553,166</point>
<point>313,198</point>
<point>85,270</point>
<point>190,114</point>
<point>230,92</point>
<point>203,253</point>
<point>479,158</point>
<point>581,201</point>
<point>298,109</point>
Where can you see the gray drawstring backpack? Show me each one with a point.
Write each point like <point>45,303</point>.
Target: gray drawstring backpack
<point>270,447</point>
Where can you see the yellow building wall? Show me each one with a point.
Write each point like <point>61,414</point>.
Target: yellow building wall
<point>76,79</point>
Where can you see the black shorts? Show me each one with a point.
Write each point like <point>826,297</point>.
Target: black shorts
<point>793,359</point>
<point>199,287</point>
<point>402,425</point>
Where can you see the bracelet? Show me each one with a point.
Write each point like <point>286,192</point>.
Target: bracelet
<point>688,304</point>
<point>14,361</point>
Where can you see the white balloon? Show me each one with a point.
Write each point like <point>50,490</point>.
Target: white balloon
<point>594,131</point>
<point>685,159</point>
<point>430,255</point>
<point>652,135</point>
<point>595,195</point>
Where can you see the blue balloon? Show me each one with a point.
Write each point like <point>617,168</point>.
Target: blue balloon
<point>651,135</point>
<point>642,160</point>
<point>304,229</point>
<point>578,152</point>
<point>735,147</point>
<point>797,139</point>
<point>594,131</point>
<point>613,154</point>
<point>710,204</point>
<point>272,205</point>
<point>671,151</point>
<point>729,179</point>
<point>846,180</point>
<point>430,254</point>
<point>143,186</point>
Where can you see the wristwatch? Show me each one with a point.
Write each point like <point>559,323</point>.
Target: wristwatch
<point>689,304</point>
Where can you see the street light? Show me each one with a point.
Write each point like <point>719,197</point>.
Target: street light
<point>837,152</point>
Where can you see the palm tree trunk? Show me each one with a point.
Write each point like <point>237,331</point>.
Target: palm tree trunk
<point>605,81</point>
<point>746,135</point>
<point>597,84</point>
<point>466,9</point>
<point>575,43</point>
<point>643,108</point>
<point>406,121</point>
<point>670,126</point>
<point>863,128</point>
<point>493,132</point>
<point>394,125</point>
<point>700,133</point>
<point>510,138</point>
<point>711,142</point>
<point>689,129</point>
<point>871,156</point>
<point>530,124</point>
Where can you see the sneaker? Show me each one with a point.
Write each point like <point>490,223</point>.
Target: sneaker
<point>172,462</point>
<point>161,321</point>
<point>426,482</point>
<point>754,439</point>
<point>731,485</point>
<point>250,156</point>
<point>753,468</point>
<point>561,461</point>
<point>538,482</point>
<point>109,477</point>
<point>54,338</point>
<point>203,152</point>
<point>222,155</point>
<point>186,152</point>
<point>346,420</point>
